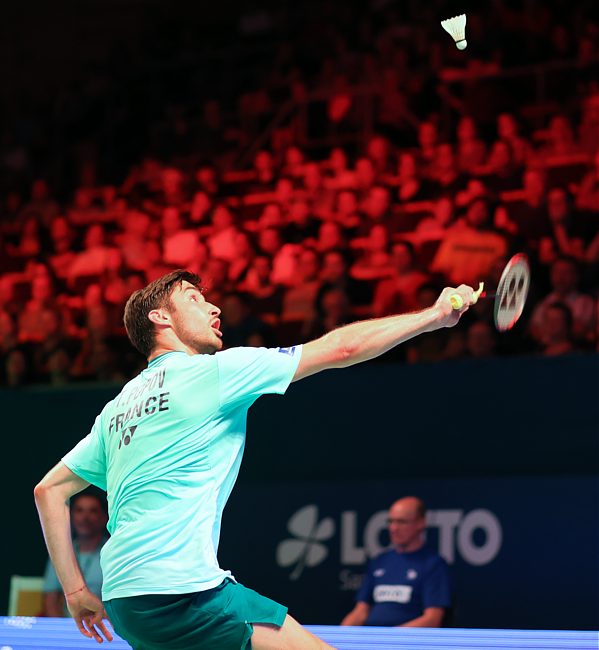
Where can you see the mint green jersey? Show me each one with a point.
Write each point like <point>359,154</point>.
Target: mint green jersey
<point>167,450</point>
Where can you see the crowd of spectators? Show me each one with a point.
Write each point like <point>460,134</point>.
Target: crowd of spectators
<point>295,247</point>
<point>301,239</point>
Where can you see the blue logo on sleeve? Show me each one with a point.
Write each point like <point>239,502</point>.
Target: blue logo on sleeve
<point>289,351</point>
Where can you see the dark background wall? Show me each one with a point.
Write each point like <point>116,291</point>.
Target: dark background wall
<point>492,420</point>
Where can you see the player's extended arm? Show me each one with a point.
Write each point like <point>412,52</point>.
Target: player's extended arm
<point>365,340</point>
<point>358,615</point>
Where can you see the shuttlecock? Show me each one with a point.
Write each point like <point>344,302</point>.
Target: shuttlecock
<point>456,28</point>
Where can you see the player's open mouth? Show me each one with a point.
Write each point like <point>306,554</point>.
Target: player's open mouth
<point>216,327</point>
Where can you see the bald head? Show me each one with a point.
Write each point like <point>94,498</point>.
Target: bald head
<point>413,507</point>
<point>407,522</point>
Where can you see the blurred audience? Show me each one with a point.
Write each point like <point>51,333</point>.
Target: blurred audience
<point>376,190</point>
<point>581,307</point>
<point>466,254</point>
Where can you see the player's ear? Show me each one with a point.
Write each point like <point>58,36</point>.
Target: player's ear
<point>159,316</point>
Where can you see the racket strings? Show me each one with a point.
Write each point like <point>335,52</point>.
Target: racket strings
<point>512,293</point>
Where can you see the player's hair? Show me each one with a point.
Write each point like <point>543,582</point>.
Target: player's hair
<point>140,329</point>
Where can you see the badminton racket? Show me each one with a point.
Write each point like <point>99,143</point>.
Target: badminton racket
<point>510,296</point>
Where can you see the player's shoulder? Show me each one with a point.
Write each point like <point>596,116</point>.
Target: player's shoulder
<point>171,365</point>
<point>176,358</point>
<point>250,350</point>
<point>244,354</point>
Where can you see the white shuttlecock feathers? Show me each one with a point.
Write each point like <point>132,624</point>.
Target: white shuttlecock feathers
<point>456,28</point>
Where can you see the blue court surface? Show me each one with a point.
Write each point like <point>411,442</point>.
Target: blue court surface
<point>22,633</point>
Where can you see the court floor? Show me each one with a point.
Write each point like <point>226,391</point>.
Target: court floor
<point>26,633</point>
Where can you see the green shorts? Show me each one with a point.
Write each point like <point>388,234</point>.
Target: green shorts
<point>217,619</point>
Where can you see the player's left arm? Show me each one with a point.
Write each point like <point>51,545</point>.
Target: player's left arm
<point>431,617</point>
<point>52,496</point>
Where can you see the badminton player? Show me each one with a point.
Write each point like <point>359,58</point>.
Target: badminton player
<point>167,450</point>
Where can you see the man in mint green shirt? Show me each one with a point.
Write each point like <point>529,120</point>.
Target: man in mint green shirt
<point>167,450</point>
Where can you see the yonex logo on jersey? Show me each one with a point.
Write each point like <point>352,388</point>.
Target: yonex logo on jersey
<point>289,351</point>
<point>378,573</point>
<point>305,550</point>
<point>126,435</point>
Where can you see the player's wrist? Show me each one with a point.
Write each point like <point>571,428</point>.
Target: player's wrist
<point>438,317</point>
<point>74,592</point>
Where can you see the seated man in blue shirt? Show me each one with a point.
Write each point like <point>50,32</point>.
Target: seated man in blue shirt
<point>88,518</point>
<point>407,585</point>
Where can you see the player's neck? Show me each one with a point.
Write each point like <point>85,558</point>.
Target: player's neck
<point>163,348</point>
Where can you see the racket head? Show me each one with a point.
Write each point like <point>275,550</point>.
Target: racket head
<point>512,292</point>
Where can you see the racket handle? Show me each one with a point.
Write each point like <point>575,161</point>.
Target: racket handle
<point>457,301</point>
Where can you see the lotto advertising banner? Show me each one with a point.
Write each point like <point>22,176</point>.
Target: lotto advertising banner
<point>523,553</point>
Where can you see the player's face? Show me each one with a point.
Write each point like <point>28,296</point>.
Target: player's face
<point>405,526</point>
<point>194,320</point>
<point>88,517</point>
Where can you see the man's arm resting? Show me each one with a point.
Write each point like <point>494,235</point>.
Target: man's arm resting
<point>51,498</point>
<point>358,615</point>
<point>366,340</point>
<point>431,617</point>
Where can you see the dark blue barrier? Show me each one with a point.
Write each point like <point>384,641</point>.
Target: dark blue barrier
<point>495,417</point>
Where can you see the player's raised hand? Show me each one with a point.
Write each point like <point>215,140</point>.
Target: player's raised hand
<point>88,613</point>
<point>446,303</point>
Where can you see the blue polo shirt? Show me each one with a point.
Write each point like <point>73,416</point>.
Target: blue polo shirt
<point>400,586</point>
<point>167,450</point>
